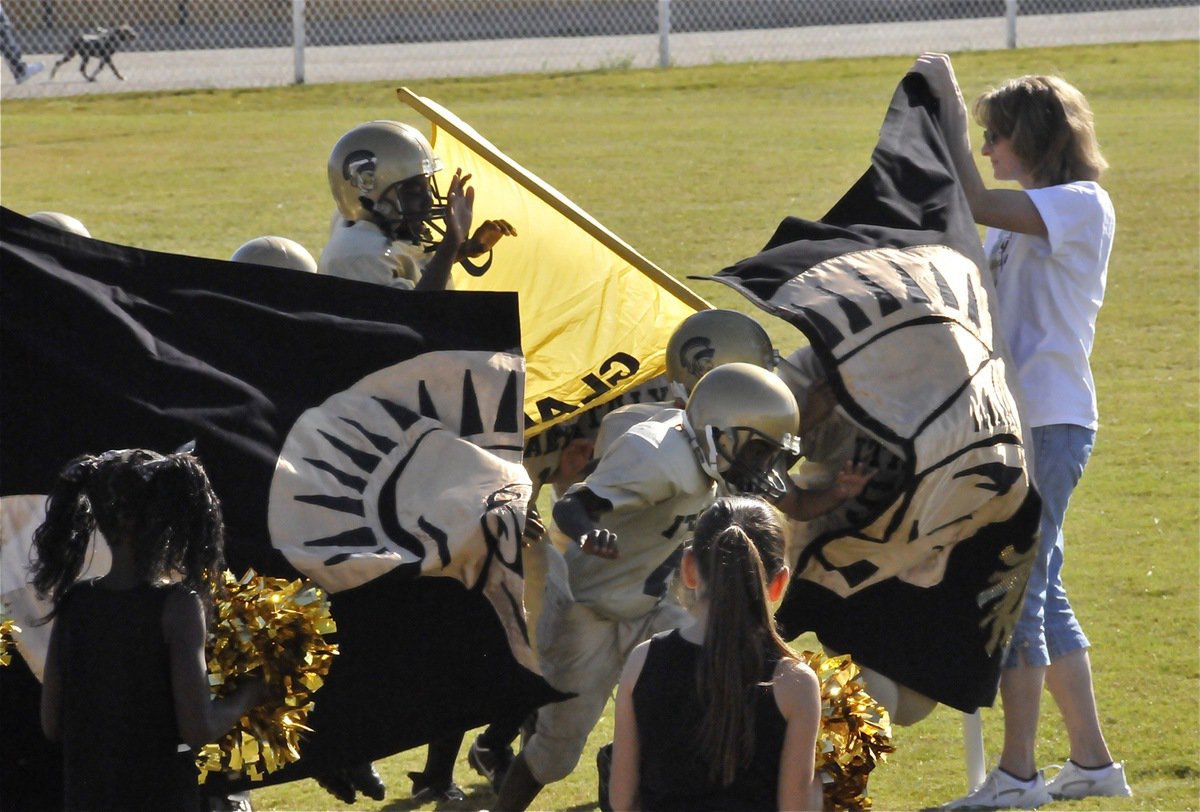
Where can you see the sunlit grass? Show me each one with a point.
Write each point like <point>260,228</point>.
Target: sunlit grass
<point>694,167</point>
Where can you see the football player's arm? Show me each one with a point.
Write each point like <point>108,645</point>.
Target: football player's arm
<point>460,207</point>
<point>577,515</point>
<point>485,238</point>
<point>818,404</point>
<point>626,774</point>
<point>534,529</point>
<point>805,505</point>
<point>574,464</point>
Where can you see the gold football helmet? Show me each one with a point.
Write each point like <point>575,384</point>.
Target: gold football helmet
<point>57,219</point>
<point>278,252</point>
<point>710,338</point>
<point>746,422</point>
<point>383,171</point>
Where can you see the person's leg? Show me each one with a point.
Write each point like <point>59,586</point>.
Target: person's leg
<point>1069,679</point>
<point>1069,676</point>
<point>904,705</point>
<point>1021,695</point>
<point>344,783</point>
<point>556,745</point>
<point>501,733</point>
<point>1047,627</point>
<point>519,789</point>
<point>440,756</point>
<point>1016,781</point>
<point>1024,674</point>
<point>491,754</point>
<point>578,650</point>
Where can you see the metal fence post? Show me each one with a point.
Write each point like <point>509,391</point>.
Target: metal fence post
<point>664,33</point>
<point>298,39</point>
<point>1010,14</point>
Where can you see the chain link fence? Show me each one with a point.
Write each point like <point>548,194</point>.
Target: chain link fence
<point>183,44</point>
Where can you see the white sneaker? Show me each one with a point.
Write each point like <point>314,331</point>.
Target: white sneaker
<point>1000,790</point>
<point>31,68</point>
<point>1075,782</point>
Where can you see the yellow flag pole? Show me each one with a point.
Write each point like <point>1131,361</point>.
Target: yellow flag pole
<point>553,198</point>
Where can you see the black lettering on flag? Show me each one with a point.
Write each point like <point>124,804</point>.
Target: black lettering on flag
<point>550,408</point>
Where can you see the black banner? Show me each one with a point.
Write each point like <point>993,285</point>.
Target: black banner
<point>891,290</point>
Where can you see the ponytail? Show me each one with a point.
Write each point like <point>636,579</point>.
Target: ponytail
<point>61,541</point>
<point>738,547</point>
<point>184,515</point>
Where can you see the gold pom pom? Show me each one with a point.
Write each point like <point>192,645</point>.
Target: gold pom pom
<point>275,627</point>
<point>855,732</point>
<point>7,627</point>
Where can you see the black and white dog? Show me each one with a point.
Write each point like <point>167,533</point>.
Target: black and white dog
<point>100,44</point>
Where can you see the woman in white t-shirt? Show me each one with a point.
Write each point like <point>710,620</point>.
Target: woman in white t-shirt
<point>1048,246</point>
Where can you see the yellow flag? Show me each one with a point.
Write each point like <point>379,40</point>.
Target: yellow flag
<point>595,314</point>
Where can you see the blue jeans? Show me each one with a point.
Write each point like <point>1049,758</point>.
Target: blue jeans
<point>1047,628</point>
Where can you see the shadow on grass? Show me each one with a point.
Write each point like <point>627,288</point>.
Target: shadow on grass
<point>479,796</point>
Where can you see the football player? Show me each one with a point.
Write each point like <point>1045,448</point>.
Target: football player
<point>57,219</point>
<point>396,228</point>
<point>626,521</point>
<point>704,340</point>
<point>276,252</point>
<point>836,452</point>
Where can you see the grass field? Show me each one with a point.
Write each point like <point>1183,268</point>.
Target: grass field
<point>694,167</point>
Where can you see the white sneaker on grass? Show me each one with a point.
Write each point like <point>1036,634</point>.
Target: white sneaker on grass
<point>1000,790</point>
<point>1074,782</point>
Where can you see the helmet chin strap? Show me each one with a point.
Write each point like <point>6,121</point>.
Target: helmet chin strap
<point>677,391</point>
<point>707,460</point>
<point>391,223</point>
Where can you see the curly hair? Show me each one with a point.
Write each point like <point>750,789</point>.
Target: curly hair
<point>164,506</point>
